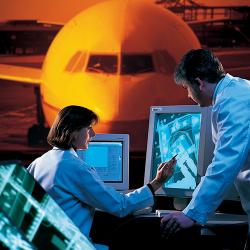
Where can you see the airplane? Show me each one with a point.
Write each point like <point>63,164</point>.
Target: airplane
<point>116,58</point>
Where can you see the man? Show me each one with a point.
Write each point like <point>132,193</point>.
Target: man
<point>202,74</point>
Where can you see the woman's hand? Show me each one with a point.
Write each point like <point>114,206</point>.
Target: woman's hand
<point>164,172</point>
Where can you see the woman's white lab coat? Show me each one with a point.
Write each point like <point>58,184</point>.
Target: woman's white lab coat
<point>78,189</point>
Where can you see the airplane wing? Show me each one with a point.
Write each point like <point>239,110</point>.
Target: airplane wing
<point>49,22</point>
<point>20,74</point>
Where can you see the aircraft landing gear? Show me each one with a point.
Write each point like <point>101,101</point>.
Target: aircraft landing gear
<point>37,133</point>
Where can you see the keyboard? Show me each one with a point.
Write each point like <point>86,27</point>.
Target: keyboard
<point>144,212</point>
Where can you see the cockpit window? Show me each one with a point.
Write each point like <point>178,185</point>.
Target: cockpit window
<point>136,64</point>
<point>72,62</point>
<point>76,62</point>
<point>102,64</point>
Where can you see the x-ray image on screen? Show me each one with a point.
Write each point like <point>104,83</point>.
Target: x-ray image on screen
<point>28,213</point>
<point>11,237</point>
<point>178,133</point>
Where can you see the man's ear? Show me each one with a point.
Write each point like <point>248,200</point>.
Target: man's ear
<point>200,83</point>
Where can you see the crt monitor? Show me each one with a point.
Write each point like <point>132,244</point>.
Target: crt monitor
<point>109,155</point>
<point>184,130</point>
<point>30,218</point>
<point>177,130</point>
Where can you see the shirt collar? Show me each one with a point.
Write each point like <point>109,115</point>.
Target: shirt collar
<point>71,150</point>
<point>222,84</point>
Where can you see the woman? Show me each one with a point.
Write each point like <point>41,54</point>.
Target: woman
<point>74,185</point>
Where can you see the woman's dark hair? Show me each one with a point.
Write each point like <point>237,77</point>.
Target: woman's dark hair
<point>199,63</point>
<point>69,119</point>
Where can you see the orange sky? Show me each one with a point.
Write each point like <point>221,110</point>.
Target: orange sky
<point>63,10</point>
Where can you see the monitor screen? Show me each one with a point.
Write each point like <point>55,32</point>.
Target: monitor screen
<point>32,215</point>
<point>177,130</point>
<point>184,130</point>
<point>109,155</point>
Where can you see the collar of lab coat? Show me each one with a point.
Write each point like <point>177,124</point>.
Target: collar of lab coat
<point>222,84</point>
<point>71,150</point>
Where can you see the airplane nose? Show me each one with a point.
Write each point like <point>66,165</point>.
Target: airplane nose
<point>101,94</point>
<point>118,97</point>
<point>135,94</point>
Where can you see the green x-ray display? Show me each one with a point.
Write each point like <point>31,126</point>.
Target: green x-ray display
<point>29,214</point>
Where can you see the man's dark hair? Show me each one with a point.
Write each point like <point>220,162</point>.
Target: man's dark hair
<point>199,63</point>
<point>69,119</point>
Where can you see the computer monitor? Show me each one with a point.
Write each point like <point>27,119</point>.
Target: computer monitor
<point>177,130</point>
<point>109,155</point>
<point>184,130</point>
<point>32,215</point>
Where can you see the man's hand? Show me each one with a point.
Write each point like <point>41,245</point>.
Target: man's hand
<point>174,222</point>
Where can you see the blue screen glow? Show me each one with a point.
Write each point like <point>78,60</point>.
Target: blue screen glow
<point>178,133</point>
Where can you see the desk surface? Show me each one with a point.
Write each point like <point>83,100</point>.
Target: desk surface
<point>215,219</point>
<point>230,229</point>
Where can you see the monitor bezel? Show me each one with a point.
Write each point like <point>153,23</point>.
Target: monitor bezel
<point>124,139</point>
<point>154,110</point>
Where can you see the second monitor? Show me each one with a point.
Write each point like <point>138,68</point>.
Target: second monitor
<point>109,155</point>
